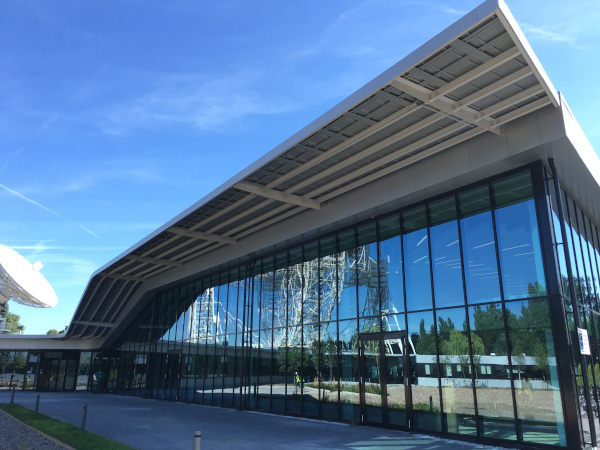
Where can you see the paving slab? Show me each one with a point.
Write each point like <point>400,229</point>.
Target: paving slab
<point>154,424</point>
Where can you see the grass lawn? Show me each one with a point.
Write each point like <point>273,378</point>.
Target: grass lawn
<point>64,432</point>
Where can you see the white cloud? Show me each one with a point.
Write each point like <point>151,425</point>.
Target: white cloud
<point>205,104</point>
<point>450,10</point>
<point>45,208</point>
<point>547,35</point>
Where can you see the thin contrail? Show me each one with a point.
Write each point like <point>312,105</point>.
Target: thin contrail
<point>22,197</point>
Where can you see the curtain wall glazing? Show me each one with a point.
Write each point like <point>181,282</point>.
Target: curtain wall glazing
<point>462,274</point>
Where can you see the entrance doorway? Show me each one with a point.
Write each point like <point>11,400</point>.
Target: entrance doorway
<point>385,360</point>
<point>172,376</point>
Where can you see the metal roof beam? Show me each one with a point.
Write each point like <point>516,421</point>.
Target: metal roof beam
<point>277,195</point>
<point>361,119</point>
<point>145,259</point>
<point>94,324</point>
<point>442,103</point>
<point>390,120</point>
<point>524,110</point>
<point>132,289</point>
<point>369,151</point>
<point>387,169</point>
<point>126,277</point>
<point>92,295</point>
<point>513,100</point>
<point>473,52</point>
<point>389,159</point>
<point>477,72</point>
<point>201,235</point>
<point>494,87</point>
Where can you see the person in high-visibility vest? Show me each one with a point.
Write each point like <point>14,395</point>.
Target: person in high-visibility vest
<point>298,380</point>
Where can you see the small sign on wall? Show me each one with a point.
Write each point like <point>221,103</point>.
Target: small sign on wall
<point>584,342</point>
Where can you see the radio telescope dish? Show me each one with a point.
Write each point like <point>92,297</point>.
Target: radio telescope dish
<point>22,282</point>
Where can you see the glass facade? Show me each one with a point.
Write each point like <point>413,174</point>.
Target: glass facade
<point>578,254</point>
<point>435,317</point>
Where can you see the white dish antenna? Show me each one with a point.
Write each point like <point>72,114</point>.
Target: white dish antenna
<point>22,282</point>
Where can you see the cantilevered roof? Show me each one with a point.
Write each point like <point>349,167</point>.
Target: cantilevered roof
<point>473,78</point>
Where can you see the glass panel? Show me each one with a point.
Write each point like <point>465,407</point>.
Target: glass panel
<point>581,260</point>
<point>368,274</point>
<point>221,306</point>
<point>349,395</point>
<point>234,322</point>
<point>415,247</point>
<point>372,380</point>
<point>390,276</point>
<point>394,379</point>
<point>328,295</point>
<point>479,252</point>
<point>310,288</point>
<point>594,265</point>
<point>311,371</point>
<point>424,376</point>
<point>347,276</point>
<point>537,391</point>
<point>83,372</point>
<point>278,389</point>
<point>445,254</point>
<point>327,363</point>
<point>264,371</point>
<point>280,292</point>
<point>455,365</point>
<point>493,389</point>
<point>589,413</point>
<point>575,247</point>
<point>520,252</point>
<point>294,288</point>
<point>389,227</point>
<point>256,297</point>
<point>291,360</point>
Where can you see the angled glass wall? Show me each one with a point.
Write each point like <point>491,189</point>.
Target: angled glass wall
<point>433,318</point>
<point>578,254</point>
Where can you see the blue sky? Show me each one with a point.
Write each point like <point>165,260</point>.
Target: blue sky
<point>116,116</point>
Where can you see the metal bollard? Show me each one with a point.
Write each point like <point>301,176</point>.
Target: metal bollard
<point>37,403</point>
<point>12,395</point>
<point>197,439</point>
<point>83,414</point>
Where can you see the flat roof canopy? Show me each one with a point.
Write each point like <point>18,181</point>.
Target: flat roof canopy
<point>474,77</point>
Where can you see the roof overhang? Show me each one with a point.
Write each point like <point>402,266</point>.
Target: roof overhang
<point>467,84</point>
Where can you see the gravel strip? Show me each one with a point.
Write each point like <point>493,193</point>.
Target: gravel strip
<point>15,435</point>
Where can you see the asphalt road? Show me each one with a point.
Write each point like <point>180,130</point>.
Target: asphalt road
<point>154,424</point>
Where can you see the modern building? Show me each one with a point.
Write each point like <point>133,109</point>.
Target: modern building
<point>424,256</point>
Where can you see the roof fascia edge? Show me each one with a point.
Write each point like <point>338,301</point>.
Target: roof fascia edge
<point>512,27</point>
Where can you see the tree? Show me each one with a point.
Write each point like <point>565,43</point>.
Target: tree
<point>458,344</point>
<point>540,358</point>
<point>13,324</point>
<point>325,355</point>
<point>331,355</point>
<point>52,331</point>
<point>296,359</point>
<point>489,323</point>
<point>423,341</point>
<point>5,357</point>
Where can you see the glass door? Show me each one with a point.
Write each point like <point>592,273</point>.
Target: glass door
<point>172,376</point>
<point>384,392</point>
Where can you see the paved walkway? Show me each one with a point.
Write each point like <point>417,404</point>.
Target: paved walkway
<point>153,424</point>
